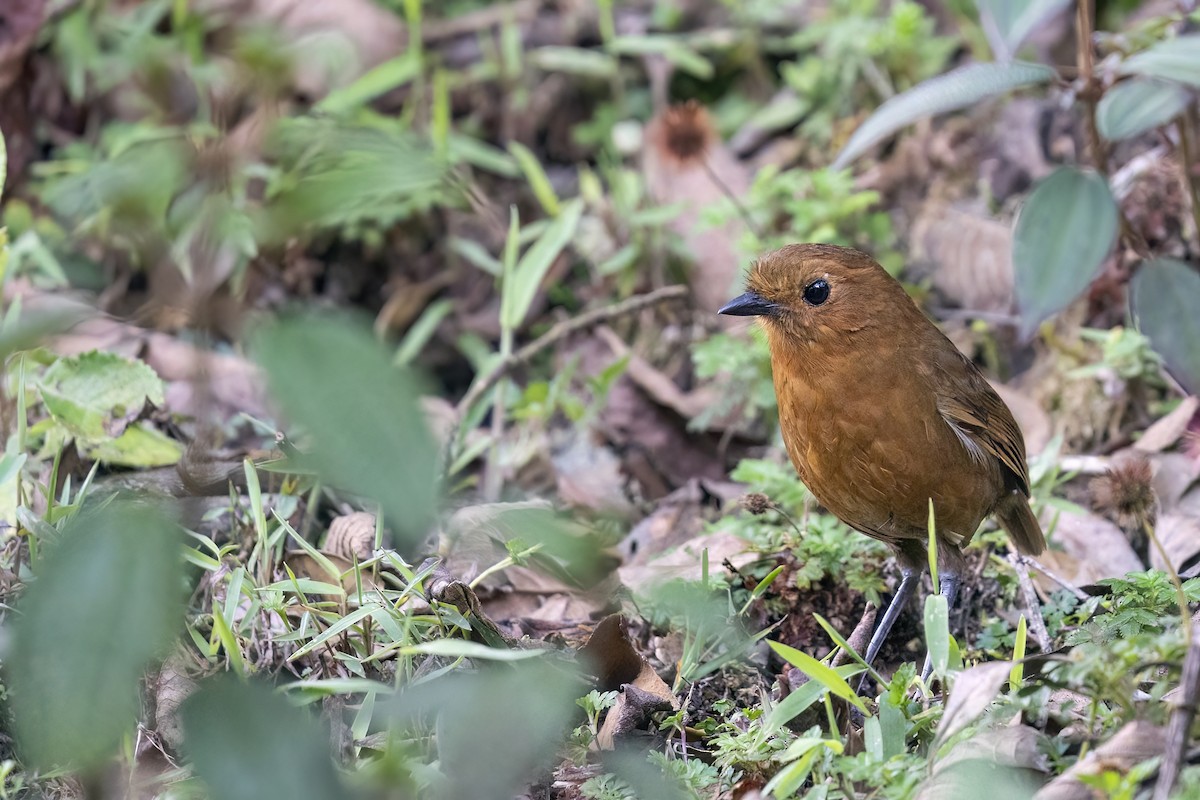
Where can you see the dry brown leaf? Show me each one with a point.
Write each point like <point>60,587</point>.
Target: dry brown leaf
<point>659,387</point>
<point>351,536</point>
<point>681,155</point>
<point>588,475</point>
<point>1092,548</point>
<point>1168,430</point>
<point>970,256</point>
<point>303,565</point>
<point>1179,534</point>
<point>472,539</point>
<point>172,686</point>
<point>617,665</point>
<point>1128,747</point>
<point>973,691</point>
<point>686,561</point>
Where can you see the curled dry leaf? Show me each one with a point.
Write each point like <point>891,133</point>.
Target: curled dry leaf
<point>1133,744</point>
<point>973,691</point>
<point>171,687</point>
<point>970,256</point>
<point>352,536</point>
<point>612,658</point>
<point>682,155</point>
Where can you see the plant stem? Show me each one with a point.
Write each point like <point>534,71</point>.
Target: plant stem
<point>1169,568</point>
<point>1187,163</point>
<point>1089,91</point>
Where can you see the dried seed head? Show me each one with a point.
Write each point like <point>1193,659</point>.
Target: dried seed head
<point>685,133</point>
<point>1127,494</point>
<point>756,503</point>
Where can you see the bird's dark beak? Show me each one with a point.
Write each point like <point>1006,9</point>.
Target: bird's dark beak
<point>750,304</point>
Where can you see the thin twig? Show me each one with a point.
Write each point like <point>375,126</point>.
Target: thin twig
<point>1036,623</point>
<point>1054,576</point>
<point>1181,719</point>
<point>1188,164</point>
<point>561,330</point>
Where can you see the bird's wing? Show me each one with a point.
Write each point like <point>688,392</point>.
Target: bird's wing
<point>984,424</point>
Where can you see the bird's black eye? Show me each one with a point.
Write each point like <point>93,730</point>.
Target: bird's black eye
<point>816,292</point>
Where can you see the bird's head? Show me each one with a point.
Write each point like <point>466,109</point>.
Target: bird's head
<point>809,293</point>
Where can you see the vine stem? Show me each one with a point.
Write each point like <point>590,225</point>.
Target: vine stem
<point>1084,26</point>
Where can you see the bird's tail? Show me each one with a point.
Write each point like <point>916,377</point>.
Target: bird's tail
<point>1016,517</point>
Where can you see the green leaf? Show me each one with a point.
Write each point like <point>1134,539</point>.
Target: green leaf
<point>1008,22</point>
<point>3,163</point>
<point>1164,296</point>
<point>1017,673</point>
<point>382,79</point>
<point>823,674</point>
<point>369,435</point>
<point>574,61</point>
<point>539,182</point>
<point>532,267</point>
<point>1065,230</point>
<point>884,733</point>
<point>422,331</point>
<point>246,743</point>
<point>937,632</point>
<point>798,701</point>
<point>106,601</point>
<point>461,648</point>
<point>954,90</point>
<point>91,394</point>
<point>1175,59</point>
<point>669,47</point>
<point>1135,106</point>
<point>141,445</point>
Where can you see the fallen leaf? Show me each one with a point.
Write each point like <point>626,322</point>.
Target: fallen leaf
<point>351,536</point>
<point>1007,759</point>
<point>611,657</point>
<point>681,156</point>
<point>1179,534</point>
<point>1168,430</point>
<point>970,255</point>
<point>1095,548</point>
<point>1128,747</point>
<point>973,691</point>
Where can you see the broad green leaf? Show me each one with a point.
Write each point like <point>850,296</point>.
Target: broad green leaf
<point>1175,59</point>
<point>937,632</point>
<point>248,743</point>
<point>1008,22</point>
<point>1163,299</point>
<point>539,182</point>
<point>382,79</point>
<point>107,600</point>
<point>1065,230</point>
<point>535,263</point>
<point>369,435</point>
<point>885,732</point>
<point>574,61</point>
<point>141,445</point>
<point>823,674</point>
<point>90,393</point>
<point>1135,106</point>
<point>954,90</point>
<point>801,753</point>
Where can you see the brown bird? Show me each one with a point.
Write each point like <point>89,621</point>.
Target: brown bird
<point>880,413</point>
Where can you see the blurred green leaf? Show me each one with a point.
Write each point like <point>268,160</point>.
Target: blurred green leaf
<point>574,61</point>
<point>1175,59</point>
<point>671,48</point>
<point>382,79</point>
<point>340,174</point>
<point>1135,106</point>
<point>1164,296</point>
<point>538,180</point>
<point>1065,230</point>
<point>247,742</point>
<point>496,728</point>
<point>421,331</point>
<point>107,599</point>
<point>140,445</point>
<point>330,376</point>
<point>1008,22</point>
<point>532,267</point>
<point>823,674</point>
<point>954,90</point>
<point>937,632</point>
<point>89,393</point>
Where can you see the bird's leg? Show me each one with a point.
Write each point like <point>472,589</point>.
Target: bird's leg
<point>908,584</point>
<point>949,581</point>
